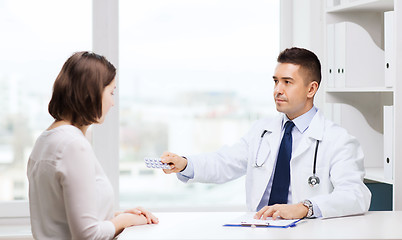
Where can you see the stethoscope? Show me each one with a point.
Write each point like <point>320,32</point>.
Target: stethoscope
<point>313,180</point>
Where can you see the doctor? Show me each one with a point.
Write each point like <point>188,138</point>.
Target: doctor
<point>298,164</point>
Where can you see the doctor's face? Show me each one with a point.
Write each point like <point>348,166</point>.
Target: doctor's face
<point>292,94</point>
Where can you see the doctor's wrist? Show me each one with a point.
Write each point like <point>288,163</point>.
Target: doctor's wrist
<point>301,210</point>
<point>308,205</point>
<point>186,163</point>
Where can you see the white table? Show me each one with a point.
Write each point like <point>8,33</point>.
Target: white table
<point>208,225</point>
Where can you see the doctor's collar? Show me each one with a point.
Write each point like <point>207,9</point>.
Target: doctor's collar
<point>302,122</point>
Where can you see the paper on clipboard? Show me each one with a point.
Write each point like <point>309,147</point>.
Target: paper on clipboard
<point>247,220</point>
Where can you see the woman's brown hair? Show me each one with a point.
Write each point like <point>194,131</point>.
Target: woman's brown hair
<point>78,89</point>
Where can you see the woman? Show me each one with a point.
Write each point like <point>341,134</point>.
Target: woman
<point>70,195</point>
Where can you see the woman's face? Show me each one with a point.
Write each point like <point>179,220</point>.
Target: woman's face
<point>107,99</point>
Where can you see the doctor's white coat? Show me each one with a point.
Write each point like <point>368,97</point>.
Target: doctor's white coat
<point>340,167</point>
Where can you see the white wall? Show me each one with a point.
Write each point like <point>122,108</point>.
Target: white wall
<point>302,26</point>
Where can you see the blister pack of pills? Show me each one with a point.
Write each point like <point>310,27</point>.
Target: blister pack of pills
<point>155,163</point>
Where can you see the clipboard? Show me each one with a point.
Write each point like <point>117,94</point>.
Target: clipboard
<point>247,220</point>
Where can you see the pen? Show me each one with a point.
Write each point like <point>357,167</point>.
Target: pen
<point>253,225</point>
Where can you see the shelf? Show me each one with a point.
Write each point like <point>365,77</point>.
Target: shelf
<point>364,5</point>
<point>369,102</point>
<point>377,174</point>
<point>360,90</point>
<point>366,98</point>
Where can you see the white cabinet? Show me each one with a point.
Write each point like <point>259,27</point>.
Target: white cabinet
<point>363,50</point>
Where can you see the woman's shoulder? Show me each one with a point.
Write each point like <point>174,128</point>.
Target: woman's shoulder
<point>64,138</point>
<point>56,145</point>
<point>71,137</point>
<point>73,149</point>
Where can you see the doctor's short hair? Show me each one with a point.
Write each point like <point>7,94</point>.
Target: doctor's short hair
<point>306,59</point>
<point>78,89</point>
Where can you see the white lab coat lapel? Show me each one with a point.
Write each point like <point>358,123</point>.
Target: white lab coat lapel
<point>305,143</point>
<point>262,175</point>
<point>273,138</point>
<point>313,133</point>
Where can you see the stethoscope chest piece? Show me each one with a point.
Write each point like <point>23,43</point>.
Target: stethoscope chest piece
<point>313,180</point>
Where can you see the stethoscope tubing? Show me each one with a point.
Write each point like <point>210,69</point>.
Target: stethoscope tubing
<point>258,150</point>
<point>314,163</point>
<point>315,156</point>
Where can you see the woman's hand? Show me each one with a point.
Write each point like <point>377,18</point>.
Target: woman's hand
<point>141,211</point>
<point>123,220</point>
<point>132,217</point>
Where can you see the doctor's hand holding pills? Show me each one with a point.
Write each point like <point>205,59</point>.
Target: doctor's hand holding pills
<point>176,162</point>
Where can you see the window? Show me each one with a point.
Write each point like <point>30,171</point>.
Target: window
<point>193,77</point>
<point>37,37</point>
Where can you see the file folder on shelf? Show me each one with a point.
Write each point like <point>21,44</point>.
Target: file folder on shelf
<point>389,49</point>
<point>388,142</point>
<point>358,61</point>
<point>330,55</point>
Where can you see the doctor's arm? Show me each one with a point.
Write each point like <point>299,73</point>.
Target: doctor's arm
<point>226,164</point>
<point>223,165</point>
<point>349,196</point>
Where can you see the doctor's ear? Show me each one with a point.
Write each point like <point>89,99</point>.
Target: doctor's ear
<point>312,89</point>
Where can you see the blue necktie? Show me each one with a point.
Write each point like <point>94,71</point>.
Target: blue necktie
<point>280,185</point>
